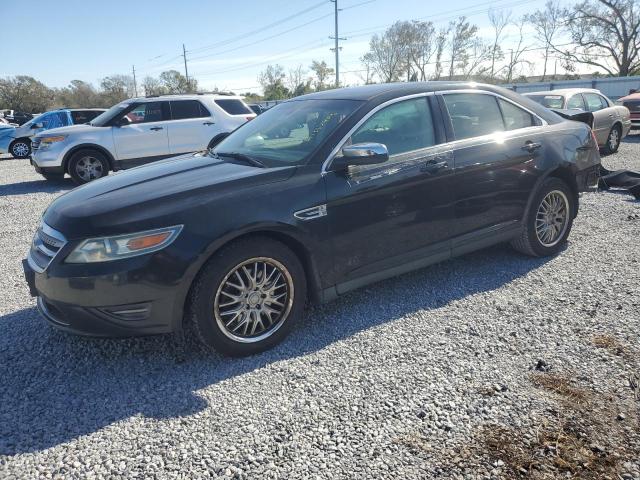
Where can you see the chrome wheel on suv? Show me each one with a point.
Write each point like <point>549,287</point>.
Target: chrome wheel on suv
<point>88,168</point>
<point>552,218</point>
<point>254,299</point>
<point>21,149</point>
<point>87,165</point>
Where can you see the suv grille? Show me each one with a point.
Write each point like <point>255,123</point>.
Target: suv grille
<point>46,244</point>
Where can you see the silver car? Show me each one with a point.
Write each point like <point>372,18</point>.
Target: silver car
<point>611,122</point>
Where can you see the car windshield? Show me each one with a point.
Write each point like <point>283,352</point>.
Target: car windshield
<point>104,118</point>
<point>287,133</point>
<point>549,101</point>
<point>34,120</point>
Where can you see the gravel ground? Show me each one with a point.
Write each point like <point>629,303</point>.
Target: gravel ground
<point>415,377</point>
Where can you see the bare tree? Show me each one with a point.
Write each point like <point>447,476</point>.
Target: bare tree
<point>499,20</point>
<point>441,43</point>
<point>480,53</point>
<point>422,47</point>
<point>516,59</point>
<point>606,34</point>
<point>295,78</point>
<point>547,24</point>
<point>387,53</point>
<point>461,40</point>
<point>367,72</point>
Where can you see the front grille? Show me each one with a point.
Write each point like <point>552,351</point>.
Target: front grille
<point>35,144</point>
<point>46,244</point>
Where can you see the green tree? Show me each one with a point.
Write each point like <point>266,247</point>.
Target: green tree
<point>322,72</point>
<point>272,81</point>
<point>25,94</point>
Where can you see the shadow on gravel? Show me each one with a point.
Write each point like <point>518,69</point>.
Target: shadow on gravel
<point>36,186</point>
<point>633,137</point>
<point>57,387</point>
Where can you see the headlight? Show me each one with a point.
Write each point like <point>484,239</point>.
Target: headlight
<point>49,140</point>
<point>106,249</point>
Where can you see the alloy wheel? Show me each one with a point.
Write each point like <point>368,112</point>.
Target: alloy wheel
<point>614,138</point>
<point>89,168</point>
<point>552,218</point>
<point>20,149</point>
<point>254,300</point>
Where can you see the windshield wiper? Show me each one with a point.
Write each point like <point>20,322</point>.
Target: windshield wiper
<point>242,157</point>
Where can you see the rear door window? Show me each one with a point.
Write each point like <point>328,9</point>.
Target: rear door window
<point>576,102</point>
<point>403,127</point>
<point>233,106</point>
<point>595,102</point>
<point>473,114</point>
<point>181,109</point>
<point>515,117</point>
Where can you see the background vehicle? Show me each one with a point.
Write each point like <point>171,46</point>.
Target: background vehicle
<point>611,122</point>
<point>632,102</point>
<point>138,131</point>
<point>19,118</point>
<point>370,182</point>
<point>18,141</point>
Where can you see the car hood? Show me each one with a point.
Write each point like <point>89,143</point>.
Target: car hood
<point>154,195</point>
<point>65,130</point>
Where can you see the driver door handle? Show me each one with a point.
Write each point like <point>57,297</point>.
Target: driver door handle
<point>208,123</point>
<point>156,128</point>
<point>530,146</point>
<point>433,166</point>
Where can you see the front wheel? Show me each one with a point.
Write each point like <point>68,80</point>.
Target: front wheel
<point>20,148</point>
<point>88,165</point>
<point>248,296</point>
<point>548,221</point>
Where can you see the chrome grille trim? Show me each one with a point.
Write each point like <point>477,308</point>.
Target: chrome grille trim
<point>46,244</point>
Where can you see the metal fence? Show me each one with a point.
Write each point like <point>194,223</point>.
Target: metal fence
<point>614,87</point>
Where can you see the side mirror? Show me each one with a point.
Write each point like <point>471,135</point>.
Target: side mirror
<point>37,126</point>
<point>361,154</point>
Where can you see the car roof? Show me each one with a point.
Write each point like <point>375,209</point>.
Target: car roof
<point>186,96</point>
<point>564,91</point>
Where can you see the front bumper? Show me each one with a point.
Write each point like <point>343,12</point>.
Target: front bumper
<point>130,297</point>
<point>5,141</point>
<point>49,157</point>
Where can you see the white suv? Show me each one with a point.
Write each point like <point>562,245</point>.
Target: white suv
<point>138,131</point>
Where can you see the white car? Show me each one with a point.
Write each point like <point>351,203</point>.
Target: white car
<point>138,131</point>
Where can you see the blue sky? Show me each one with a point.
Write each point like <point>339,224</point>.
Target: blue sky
<point>80,39</point>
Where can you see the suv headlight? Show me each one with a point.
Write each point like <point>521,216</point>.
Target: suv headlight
<point>46,142</point>
<point>106,249</point>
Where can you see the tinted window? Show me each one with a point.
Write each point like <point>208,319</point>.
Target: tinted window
<point>233,106</point>
<point>145,113</point>
<point>402,127</point>
<point>549,101</point>
<point>595,102</point>
<point>576,102</point>
<point>289,132</point>
<point>473,114</point>
<point>181,109</point>
<point>84,116</point>
<point>515,117</point>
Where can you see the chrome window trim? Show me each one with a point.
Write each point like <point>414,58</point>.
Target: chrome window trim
<point>340,144</point>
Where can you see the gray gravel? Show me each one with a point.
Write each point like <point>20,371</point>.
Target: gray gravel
<point>386,382</point>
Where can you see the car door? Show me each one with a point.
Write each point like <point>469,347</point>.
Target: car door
<point>192,126</point>
<point>140,134</point>
<point>386,216</point>
<point>495,143</point>
<point>603,115</point>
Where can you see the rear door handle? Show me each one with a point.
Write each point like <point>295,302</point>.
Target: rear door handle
<point>433,166</point>
<point>208,123</point>
<point>530,146</point>
<point>156,128</point>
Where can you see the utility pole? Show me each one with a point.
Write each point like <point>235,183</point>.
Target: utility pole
<point>135,84</point>
<point>337,39</point>
<point>186,72</point>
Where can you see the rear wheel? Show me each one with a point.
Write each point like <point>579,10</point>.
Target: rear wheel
<point>613,140</point>
<point>248,296</point>
<point>548,222</point>
<point>87,165</point>
<point>20,148</point>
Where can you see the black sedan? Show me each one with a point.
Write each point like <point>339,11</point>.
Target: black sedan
<point>317,196</point>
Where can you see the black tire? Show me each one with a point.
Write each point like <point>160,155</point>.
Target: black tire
<point>20,148</point>
<point>54,177</point>
<point>613,140</point>
<point>529,241</point>
<point>77,166</point>
<point>204,310</point>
